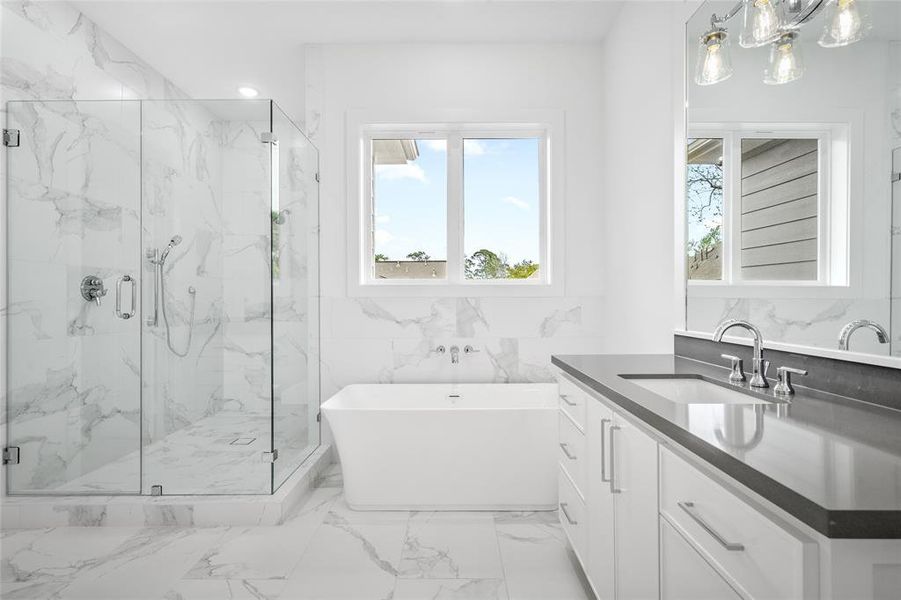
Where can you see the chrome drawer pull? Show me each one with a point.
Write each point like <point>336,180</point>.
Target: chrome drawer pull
<point>604,477</point>
<point>565,449</point>
<point>689,507</point>
<point>569,519</point>
<point>565,399</point>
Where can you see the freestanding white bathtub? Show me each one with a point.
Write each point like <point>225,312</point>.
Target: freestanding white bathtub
<point>446,446</point>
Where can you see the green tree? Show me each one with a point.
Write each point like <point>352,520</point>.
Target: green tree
<point>522,270</point>
<point>419,255</point>
<point>381,258</point>
<point>485,264</point>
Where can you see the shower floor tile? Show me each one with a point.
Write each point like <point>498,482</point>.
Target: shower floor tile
<point>324,550</point>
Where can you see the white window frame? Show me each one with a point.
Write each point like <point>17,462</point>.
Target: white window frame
<point>833,199</point>
<point>455,126</point>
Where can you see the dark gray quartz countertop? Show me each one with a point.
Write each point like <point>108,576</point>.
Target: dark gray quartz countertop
<point>832,462</point>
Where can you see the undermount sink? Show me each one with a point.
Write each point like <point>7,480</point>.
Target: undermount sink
<point>690,390</point>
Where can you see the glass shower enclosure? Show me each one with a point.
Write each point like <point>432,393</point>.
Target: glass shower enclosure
<point>163,297</point>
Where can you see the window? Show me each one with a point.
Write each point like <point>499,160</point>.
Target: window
<point>758,207</point>
<point>455,206</point>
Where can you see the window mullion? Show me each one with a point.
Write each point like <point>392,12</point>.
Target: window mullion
<point>455,208</point>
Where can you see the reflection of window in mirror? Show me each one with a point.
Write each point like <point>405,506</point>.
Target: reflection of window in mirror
<point>759,204</point>
<point>779,209</point>
<point>704,202</point>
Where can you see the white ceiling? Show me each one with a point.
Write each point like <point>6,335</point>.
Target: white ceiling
<point>209,47</point>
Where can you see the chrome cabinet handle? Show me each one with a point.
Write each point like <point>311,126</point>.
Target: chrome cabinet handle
<point>563,506</point>
<point>565,449</point>
<point>613,488</point>
<point>689,507</point>
<point>604,476</point>
<point>565,399</point>
<point>134,297</point>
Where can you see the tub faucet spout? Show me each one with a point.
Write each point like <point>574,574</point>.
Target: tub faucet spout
<point>455,354</point>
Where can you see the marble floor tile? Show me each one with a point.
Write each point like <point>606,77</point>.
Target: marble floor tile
<point>538,564</point>
<point>226,589</point>
<point>450,589</point>
<point>348,560</point>
<point>146,565</point>
<point>451,546</point>
<point>333,477</point>
<point>257,553</point>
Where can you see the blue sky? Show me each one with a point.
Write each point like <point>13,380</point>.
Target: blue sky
<point>500,195</point>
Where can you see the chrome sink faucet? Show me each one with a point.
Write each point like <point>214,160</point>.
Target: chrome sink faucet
<point>759,366</point>
<point>845,336</point>
<point>455,354</point>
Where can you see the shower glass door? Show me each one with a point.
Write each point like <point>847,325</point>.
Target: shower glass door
<point>207,297</point>
<point>73,368</point>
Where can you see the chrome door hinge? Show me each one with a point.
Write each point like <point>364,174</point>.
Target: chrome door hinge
<point>317,177</point>
<point>270,457</point>
<point>11,455</point>
<point>156,490</point>
<point>895,177</point>
<point>319,417</point>
<point>267,137</point>
<point>11,138</point>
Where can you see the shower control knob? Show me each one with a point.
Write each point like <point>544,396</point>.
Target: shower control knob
<point>92,289</point>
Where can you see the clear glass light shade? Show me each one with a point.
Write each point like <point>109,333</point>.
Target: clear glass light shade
<point>786,62</point>
<point>714,61</point>
<point>762,24</point>
<point>845,22</point>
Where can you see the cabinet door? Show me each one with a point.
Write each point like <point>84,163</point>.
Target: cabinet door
<point>600,567</point>
<point>633,457</point>
<point>685,575</point>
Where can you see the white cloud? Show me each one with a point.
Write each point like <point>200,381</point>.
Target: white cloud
<point>474,147</point>
<point>408,171</point>
<point>514,201</point>
<point>382,219</point>
<point>383,237</point>
<point>436,145</point>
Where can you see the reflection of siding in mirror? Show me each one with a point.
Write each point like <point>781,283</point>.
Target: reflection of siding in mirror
<point>779,209</point>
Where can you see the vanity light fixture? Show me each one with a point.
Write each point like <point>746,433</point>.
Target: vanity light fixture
<point>762,24</point>
<point>778,23</point>
<point>845,24</point>
<point>248,92</point>
<point>714,61</point>
<point>786,63</point>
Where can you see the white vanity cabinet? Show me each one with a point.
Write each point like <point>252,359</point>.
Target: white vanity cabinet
<point>618,545</point>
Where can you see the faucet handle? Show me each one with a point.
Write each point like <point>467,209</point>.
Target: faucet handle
<point>784,385</point>
<point>440,349</point>
<point>469,349</point>
<point>738,371</point>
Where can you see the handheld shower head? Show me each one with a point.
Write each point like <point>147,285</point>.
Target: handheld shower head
<point>175,241</point>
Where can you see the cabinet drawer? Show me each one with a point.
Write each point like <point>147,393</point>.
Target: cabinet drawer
<point>758,556</point>
<point>684,574</point>
<point>572,453</point>
<point>572,516</point>
<point>573,401</point>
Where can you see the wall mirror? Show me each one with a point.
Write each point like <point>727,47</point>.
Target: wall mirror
<point>793,148</point>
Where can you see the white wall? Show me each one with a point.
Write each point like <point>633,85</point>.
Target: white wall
<point>391,339</point>
<point>638,69</point>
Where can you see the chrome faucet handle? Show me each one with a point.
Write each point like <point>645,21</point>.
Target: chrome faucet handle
<point>440,349</point>
<point>738,368</point>
<point>784,385</point>
<point>467,349</point>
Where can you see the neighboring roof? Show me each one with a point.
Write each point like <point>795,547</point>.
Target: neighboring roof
<point>394,152</point>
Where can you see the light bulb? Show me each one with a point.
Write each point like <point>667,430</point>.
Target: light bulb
<point>248,92</point>
<point>714,62</point>
<point>761,24</point>
<point>845,23</point>
<point>786,63</point>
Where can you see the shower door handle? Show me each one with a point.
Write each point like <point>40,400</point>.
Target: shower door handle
<point>134,297</point>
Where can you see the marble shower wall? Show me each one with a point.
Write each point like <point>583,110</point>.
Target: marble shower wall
<point>75,207</point>
<point>182,195</point>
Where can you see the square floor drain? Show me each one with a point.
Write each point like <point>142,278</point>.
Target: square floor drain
<point>245,441</point>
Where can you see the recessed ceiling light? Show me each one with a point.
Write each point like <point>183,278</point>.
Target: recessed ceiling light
<point>248,92</point>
